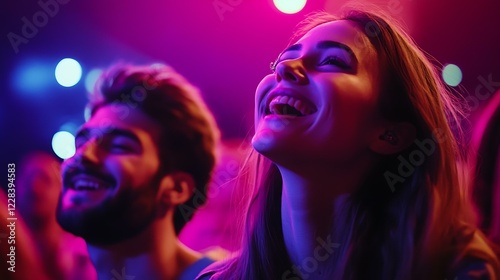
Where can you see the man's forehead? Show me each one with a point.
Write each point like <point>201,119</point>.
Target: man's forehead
<point>120,119</point>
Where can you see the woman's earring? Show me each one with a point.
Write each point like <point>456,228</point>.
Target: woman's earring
<point>390,136</point>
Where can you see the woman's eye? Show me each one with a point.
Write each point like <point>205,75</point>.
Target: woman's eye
<point>282,57</point>
<point>336,61</point>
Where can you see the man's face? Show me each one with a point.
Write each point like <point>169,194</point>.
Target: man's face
<point>110,184</point>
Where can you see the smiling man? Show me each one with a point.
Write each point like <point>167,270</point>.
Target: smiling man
<point>147,149</point>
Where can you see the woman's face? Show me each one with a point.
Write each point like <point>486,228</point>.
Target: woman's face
<point>321,102</point>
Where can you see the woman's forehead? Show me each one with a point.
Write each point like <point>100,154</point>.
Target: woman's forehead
<point>342,31</point>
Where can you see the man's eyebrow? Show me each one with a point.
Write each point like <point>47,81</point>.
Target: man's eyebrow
<point>112,131</point>
<point>83,132</point>
<point>124,133</point>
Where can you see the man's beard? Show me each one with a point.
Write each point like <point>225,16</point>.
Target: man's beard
<point>116,219</point>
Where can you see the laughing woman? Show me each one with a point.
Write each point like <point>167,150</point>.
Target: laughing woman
<point>358,164</point>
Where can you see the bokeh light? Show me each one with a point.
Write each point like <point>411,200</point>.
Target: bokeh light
<point>91,79</point>
<point>68,72</point>
<point>63,144</point>
<point>86,113</point>
<point>32,78</point>
<point>452,75</point>
<point>70,127</point>
<point>290,6</point>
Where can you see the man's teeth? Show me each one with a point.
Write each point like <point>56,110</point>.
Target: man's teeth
<point>86,185</point>
<point>295,103</point>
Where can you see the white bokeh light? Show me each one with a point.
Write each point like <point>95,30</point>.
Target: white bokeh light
<point>87,112</point>
<point>68,72</point>
<point>91,79</point>
<point>290,6</point>
<point>63,144</point>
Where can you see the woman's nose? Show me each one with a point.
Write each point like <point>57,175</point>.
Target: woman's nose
<point>291,70</point>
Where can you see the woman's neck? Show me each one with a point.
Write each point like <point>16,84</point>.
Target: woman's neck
<point>311,201</point>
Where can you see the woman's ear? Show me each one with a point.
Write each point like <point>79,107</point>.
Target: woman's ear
<point>176,188</point>
<point>393,138</point>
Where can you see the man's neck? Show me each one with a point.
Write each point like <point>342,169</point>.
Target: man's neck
<point>153,254</point>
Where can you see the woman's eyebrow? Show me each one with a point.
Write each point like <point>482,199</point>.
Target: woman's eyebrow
<point>324,45</point>
<point>295,47</point>
<point>333,44</point>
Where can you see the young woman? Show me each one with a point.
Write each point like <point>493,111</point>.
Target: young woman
<point>357,167</point>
